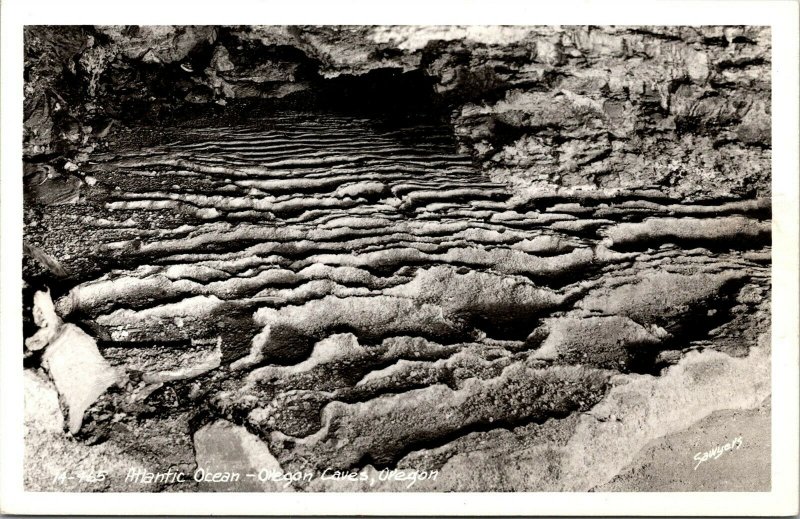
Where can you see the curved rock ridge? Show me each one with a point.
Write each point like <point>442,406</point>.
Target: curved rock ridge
<point>334,292</point>
<point>584,451</point>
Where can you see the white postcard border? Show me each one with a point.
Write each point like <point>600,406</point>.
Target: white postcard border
<point>782,15</point>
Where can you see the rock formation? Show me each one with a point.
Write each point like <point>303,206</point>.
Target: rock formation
<point>512,256</point>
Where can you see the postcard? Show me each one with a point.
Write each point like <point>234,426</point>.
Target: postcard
<point>464,258</point>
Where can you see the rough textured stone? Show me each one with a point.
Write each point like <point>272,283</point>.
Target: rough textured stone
<point>224,447</point>
<point>684,110</point>
<point>80,373</point>
<point>743,468</point>
<point>515,256</point>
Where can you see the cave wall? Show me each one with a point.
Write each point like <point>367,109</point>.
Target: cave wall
<point>681,111</point>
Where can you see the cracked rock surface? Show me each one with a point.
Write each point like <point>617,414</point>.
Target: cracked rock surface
<point>567,261</point>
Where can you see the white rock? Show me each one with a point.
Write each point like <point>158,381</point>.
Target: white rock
<point>207,213</point>
<point>44,315</point>
<point>224,447</point>
<point>42,411</point>
<point>80,373</point>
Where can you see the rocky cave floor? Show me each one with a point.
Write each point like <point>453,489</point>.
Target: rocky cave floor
<point>556,280</point>
<point>345,293</point>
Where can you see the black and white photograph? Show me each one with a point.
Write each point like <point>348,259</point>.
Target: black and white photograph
<point>400,258</point>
